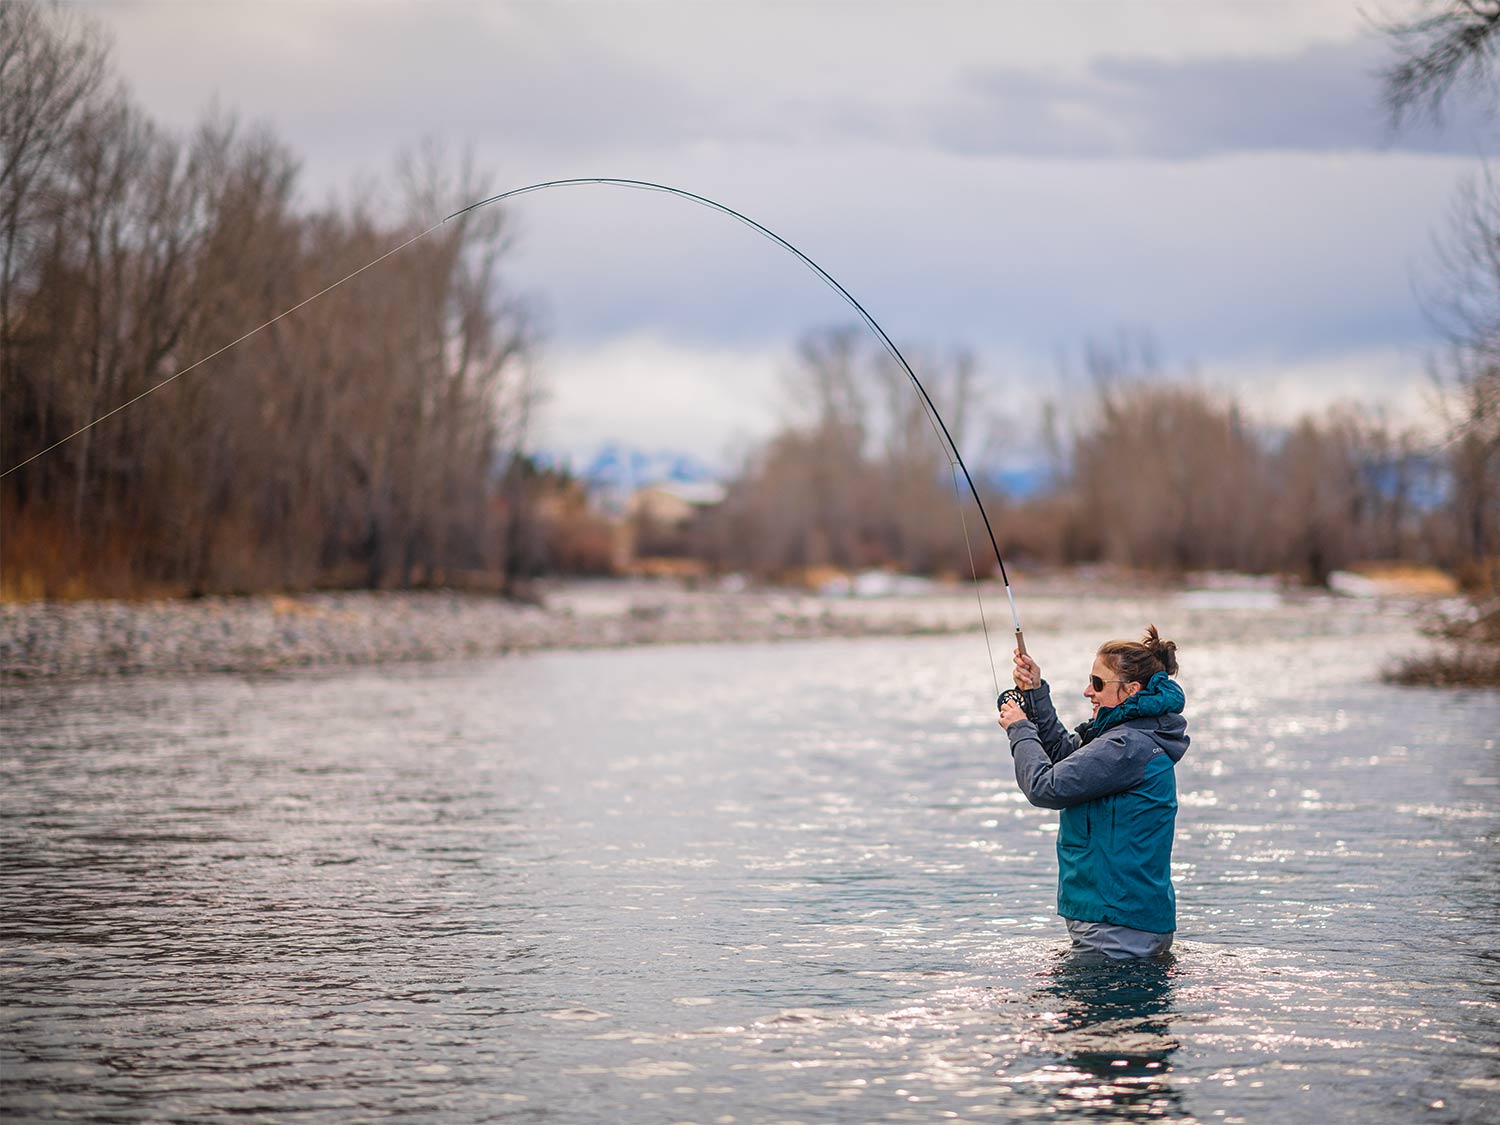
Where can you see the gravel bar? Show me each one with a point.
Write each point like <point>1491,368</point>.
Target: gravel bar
<point>108,638</point>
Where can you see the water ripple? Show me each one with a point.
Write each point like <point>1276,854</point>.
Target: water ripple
<point>753,883</point>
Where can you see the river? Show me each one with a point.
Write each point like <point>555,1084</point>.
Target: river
<point>745,883</point>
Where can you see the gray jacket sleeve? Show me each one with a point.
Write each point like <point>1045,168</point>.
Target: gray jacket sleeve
<point>1112,763</point>
<point>1057,740</point>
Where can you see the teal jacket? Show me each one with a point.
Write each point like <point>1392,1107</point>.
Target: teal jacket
<point>1118,797</point>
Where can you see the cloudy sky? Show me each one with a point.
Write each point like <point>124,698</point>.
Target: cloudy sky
<point>1014,178</point>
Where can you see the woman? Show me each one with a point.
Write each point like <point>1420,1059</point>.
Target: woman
<point>1113,780</point>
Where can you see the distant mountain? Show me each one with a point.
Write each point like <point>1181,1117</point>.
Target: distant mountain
<point>617,465</point>
<point>615,471</point>
<point>1017,484</point>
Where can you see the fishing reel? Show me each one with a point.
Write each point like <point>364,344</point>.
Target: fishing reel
<point>1013,695</point>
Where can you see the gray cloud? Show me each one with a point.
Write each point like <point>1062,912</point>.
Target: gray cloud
<point>1294,236</point>
<point>339,79</point>
<point>1322,99</point>
<point>1300,253</point>
<point>559,81</point>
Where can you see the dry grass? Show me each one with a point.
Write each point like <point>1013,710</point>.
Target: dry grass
<point>656,566</point>
<point>1402,578</point>
<point>46,559</point>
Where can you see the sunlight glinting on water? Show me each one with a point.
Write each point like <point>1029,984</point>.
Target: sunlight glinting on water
<point>743,883</point>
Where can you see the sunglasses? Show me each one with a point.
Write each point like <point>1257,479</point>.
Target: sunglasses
<point>1098,684</point>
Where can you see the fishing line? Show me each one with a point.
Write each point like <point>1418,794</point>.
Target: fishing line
<point>179,374</point>
<point>984,624</point>
<point>934,418</point>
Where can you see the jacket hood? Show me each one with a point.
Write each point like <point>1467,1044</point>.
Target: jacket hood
<point>1169,732</point>
<point>1161,696</point>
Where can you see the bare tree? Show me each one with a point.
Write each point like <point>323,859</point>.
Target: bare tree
<point>1467,311</point>
<point>365,434</point>
<point>1170,478</point>
<point>1455,45</point>
<point>1324,505</point>
<point>1168,474</point>
<point>1452,45</point>
<point>858,476</point>
<point>51,72</point>
<point>921,531</point>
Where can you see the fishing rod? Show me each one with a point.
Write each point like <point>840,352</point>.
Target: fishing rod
<point>930,408</point>
<point>955,458</point>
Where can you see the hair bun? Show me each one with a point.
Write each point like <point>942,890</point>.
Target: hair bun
<point>1164,651</point>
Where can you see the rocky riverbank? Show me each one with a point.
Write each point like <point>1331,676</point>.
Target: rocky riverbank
<point>106,638</point>
<point>89,639</point>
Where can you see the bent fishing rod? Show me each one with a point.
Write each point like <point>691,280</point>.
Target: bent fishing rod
<point>950,446</point>
<point>940,427</point>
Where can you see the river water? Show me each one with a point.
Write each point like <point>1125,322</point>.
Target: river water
<point>748,883</point>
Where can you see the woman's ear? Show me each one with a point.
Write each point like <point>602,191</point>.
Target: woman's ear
<point>1131,688</point>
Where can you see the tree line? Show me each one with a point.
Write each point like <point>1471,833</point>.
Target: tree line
<point>858,476</point>
<point>1151,472</point>
<point>1165,473</point>
<point>364,440</point>
<point>378,436</point>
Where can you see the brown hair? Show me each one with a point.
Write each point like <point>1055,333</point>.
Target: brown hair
<point>1142,659</point>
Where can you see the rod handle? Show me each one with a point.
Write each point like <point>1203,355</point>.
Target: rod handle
<point>1020,641</point>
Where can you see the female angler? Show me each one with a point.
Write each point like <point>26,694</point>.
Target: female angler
<point>1112,778</point>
